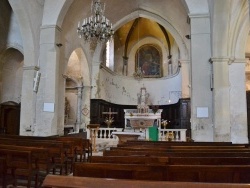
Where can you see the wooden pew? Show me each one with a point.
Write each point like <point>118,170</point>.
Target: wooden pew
<point>52,181</point>
<point>120,171</point>
<point>175,154</point>
<point>130,160</point>
<point>157,143</point>
<point>56,150</point>
<point>3,172</point>
<point>209,173</point>
<point>199,149</point>
<point>209,160</point>
<point>21,163</point>
<point>237,146</point>
<point>40,157</point>
<point>183,173</point>
<point>74,146</point>
<point>172,160</point>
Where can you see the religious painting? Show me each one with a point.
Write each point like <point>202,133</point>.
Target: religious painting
<point>149,59</point>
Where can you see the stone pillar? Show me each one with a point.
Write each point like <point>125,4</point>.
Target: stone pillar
<point>79,108</point>
<point>50,120</point>
<point>230,115</point>
<point>221,101</point>
<point>28,101</point>
<point>238,105</point>
<point>201,94</point>
<point>185,80</point>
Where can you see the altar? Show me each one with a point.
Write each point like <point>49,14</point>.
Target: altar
<point>125,136</point>
<point>136,120</point>
<point>143,117</point>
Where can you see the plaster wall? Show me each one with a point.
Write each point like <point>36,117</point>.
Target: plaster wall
<point>123,90</point>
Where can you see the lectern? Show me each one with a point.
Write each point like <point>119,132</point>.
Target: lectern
<point>93,128</point>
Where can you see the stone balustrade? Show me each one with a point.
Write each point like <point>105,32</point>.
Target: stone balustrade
<point>104,137</point>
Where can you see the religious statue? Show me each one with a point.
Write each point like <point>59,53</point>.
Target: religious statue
<point>142,102</point>
<point>66,110</point>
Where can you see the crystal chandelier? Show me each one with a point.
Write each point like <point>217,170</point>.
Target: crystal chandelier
<point>97,26</point>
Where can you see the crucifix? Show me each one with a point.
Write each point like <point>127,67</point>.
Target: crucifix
<point>110,120</point>
<point>109,113</point>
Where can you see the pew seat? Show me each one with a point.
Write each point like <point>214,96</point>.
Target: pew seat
<point>53,181</point>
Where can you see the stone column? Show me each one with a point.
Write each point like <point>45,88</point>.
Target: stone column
<point>221,101</point>
<point>185,80</point>
<point>79,108</point>
<point>230,115</point>
<point>238,105</point>
<point>50,120</point>
<point>28,101</point>
<point>201,94</point>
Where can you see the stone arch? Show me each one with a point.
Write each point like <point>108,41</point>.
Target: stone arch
<point>196,6</point>
<point>238,40</point>
<point>157,18</point>
<point>57,10</point>
<point>11,69</point>
<point>23,18</point>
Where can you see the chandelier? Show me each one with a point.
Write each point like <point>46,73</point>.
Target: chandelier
<point>97,26</point>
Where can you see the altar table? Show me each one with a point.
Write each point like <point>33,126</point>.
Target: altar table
<point>125,136</point>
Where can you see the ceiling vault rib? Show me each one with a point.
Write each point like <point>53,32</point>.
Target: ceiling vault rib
<point>167,39</point>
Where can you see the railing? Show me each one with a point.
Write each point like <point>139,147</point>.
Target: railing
<point>178,135</point>
<point>104,137</point>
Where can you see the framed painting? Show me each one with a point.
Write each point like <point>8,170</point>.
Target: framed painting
<point>149,59</point>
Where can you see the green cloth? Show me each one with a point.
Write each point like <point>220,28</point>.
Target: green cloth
<point>153,133</point>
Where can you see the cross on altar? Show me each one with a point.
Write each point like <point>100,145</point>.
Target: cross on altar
<point>109,113</point>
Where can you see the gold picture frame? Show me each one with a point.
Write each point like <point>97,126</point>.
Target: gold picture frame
<point>149,59</point>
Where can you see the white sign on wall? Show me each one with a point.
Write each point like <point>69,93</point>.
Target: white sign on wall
<point>202,112</point>
<point>48,107</point>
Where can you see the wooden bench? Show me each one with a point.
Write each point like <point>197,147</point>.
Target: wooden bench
<point>52,181</point>
<point>3,172</point>
<point>21,164</point>
<point>169,147</point>
<point>56,150</point>
<point>73,146</point>
<point>184,173</point>
<point>174,154</point>
<point>209,160</point>
<point>199,149</point>
<point>172,160</point>
<point>121,171</point>
<point>209,173</point>
<point>130,160</point>
<point>40,157</point>
<point>157,143</point>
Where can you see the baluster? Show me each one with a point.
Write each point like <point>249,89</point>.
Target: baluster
<point>101,133</point>
<point>178,135</point>
<point>109,131</point>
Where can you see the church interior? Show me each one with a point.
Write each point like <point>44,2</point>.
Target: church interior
<point>86,83</point>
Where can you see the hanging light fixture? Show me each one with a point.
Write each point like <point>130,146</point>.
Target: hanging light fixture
<point>97,26</point>
<point>138,74</point>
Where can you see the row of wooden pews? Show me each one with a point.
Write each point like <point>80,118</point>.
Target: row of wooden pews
<point>44,155</point>
<point>214,162</point>
<point>53,181</point>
